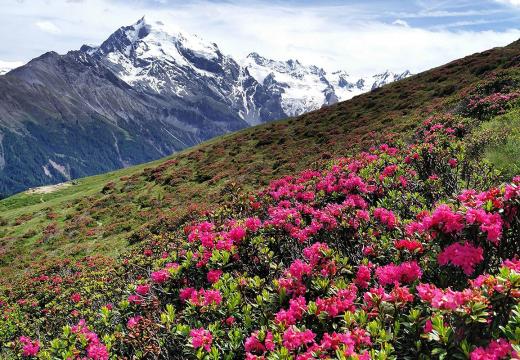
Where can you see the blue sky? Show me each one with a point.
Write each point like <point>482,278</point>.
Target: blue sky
<point>357,36</point>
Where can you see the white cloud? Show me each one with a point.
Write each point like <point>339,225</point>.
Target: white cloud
<point>48,27</point>
<point>6,66</point>
<point>509,2</point>
<point>400,22</point>
<point>335,37</point>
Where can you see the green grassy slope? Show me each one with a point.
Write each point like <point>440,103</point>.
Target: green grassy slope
<point>107,212</point>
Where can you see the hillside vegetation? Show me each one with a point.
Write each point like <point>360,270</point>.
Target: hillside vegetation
<point>99,214</point>
<point>395,235</point>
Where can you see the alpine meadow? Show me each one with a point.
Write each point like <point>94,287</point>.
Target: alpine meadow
<point>289,211</point>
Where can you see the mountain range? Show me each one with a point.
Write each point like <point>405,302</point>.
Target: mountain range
<point>148,91</point>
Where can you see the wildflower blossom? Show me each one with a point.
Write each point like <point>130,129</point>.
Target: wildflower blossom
<point>201,338</point>
<point>294,338</point>
<point>160,277</point>
<point>133,321</point>
<point>386,217</point>
<point>363,276</point>
<point>496,350</point>
<point>295,312</point>
<point>465,256</point>
<point>406,272</point>
<point>143,289</point>
<point>29,347</point>
<point>75,298</point>
<point>214,275</point>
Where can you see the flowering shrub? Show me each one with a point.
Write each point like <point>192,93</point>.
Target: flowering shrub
<point>384,254</point>
<point>487,106</point>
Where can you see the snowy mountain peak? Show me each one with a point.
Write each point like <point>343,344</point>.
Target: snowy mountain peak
<point>387,77</point>
<point>308,87</point>
<point>156,57</point>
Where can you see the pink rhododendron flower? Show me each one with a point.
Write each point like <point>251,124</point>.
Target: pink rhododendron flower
<point>212,297</point>
<point>400,294</point>
<point>201,297</point>
<point>409,245</point>
<point>339,303</point>
<point>445,220</point>
<point>97,351</point>
<point>254,345</point>
<point>428,326</point>
<point>29,347</point>
<point>290,316</point>
<point>389,170</point>
<point>294,338</point>
<point>298,269</point>
<point>363,276</point>
<point>512,264</point>
<point>315,252</point>
<point>133,321</point>
<point>447,299</point>
<point>373,298</point>
<point>489,223</point>
<point>405,272</point>
<point>334,341</point>
<point>253,224</point>
<point>465,256</point>
<point>143,289</point>
<point>496,350</point>
<point>75,298</point>
<point>386,217</point>
<point>237,234</point>
<point>214,275</point>
<point>186,293</point>
<point>160,277</point>
<point>452,162</point>
<point>134,299</point>
<point>201,338</point>
<point>230,320</point>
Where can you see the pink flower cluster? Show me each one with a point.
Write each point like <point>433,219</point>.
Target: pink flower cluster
<point>201,338</point>
<point>386,217</point>
<point>143,289</point>
<point>160,276</point>
<point>496,350</point>
<point>29,347</point>
<point>406,272</point>
<point>492,103</point>
<point>451,222</point>
<point>363,276</point>
<point>447,299</point>
<point>201,297</point>
<point>214,275</point>
<point>254,345</point>
<point>465,256</point>
<point>410,245</point>
<point>297,307</point>
<point>318,262</point>
<point>489,223</point>
<point>95,349</point>
<point>342,301</point>
<point>304,342</point>
<point>293,338</point>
